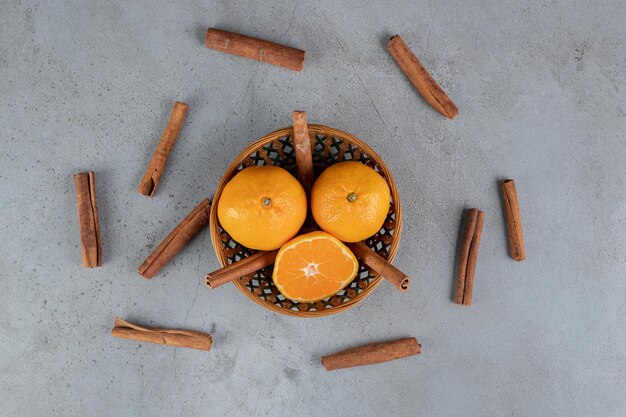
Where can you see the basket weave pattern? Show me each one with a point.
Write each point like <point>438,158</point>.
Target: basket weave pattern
<point>329,146</point>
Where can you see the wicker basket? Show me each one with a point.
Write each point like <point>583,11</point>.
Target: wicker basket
<point>329,146</point>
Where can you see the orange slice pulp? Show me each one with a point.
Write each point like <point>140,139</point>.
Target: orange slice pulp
<point>313,266</point>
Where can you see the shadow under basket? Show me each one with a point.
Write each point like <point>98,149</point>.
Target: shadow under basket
<point>329,146</point>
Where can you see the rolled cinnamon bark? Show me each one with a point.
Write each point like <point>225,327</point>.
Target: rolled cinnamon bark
<point>420,78</point>
<point>471,260</point>
<point>155,169</point>
<point>257,49</point>
<point>304,155</point>
<point>468,234</point>
<point>513,220</point>
<point>261,260</point>
<point>90,243</point>
<point>467,257</point>
<point>176,240</point>
<point>371,354</point>
<point>379,264</point>
<point>240,269</point>
<point>171,337</point>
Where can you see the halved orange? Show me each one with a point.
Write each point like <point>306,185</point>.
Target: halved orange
<point>313,266</point>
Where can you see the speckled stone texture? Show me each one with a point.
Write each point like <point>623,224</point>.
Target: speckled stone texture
<point>540,88</point>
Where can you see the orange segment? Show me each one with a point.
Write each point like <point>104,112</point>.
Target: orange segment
<point>313,266</point>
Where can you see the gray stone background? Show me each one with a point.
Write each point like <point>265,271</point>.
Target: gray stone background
<point>540,88</point>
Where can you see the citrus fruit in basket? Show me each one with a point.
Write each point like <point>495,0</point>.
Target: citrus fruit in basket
<point>350,201</point>
<point>313,266</point>
<point>262,207</point>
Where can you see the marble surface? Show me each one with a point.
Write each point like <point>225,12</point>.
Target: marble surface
<point>540,89</point>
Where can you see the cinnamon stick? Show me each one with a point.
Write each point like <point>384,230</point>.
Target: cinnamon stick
<point>240,269</point>
<point>302,145</point>
<point>257,49</point>
<point>371,354</point>
<point>261,260</point>
<point>468,256</point>
<point>171,337</point>
<point>420,78</point>
<point>466,242</point>
<point>471,260</point>
<point>379,264</point>
<point>90,243</point>
<point>151,178</point>
<point>176,239</point>
<point>513,220</point>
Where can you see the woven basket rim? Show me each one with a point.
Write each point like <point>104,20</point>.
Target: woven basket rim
<point>270,137</point>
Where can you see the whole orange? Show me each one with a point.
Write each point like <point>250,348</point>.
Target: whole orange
<point>262,207</point>
<point>350,201</point>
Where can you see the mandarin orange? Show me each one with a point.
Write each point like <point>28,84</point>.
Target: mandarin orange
<point>262,207</point>
<point>350,201</point>
<point>313,266</point>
